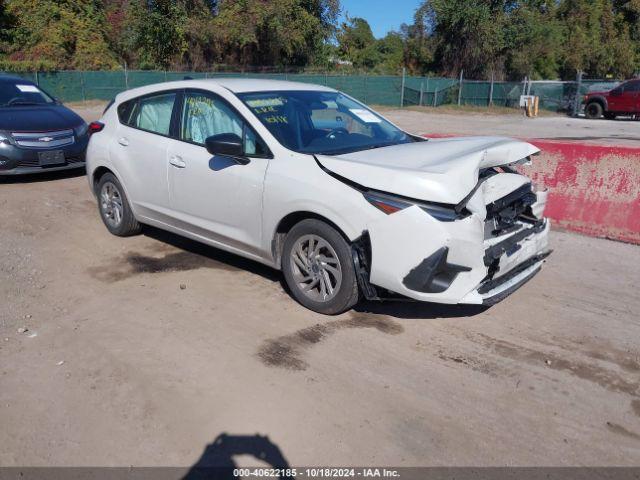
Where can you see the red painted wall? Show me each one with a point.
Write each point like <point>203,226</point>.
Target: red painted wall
<point>593,189</point>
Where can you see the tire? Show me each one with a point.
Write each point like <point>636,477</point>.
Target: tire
<point>609,115</point>
<point>329,275</point>
<point>593,110</point>
<point>114,207</point>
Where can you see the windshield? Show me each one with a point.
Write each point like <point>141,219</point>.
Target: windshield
<point>322,122</point>
<point>22,93</point>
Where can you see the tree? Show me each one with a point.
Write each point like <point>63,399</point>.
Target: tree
<point>357,43</point>
<point>68,33</point>
<point>469,35</point>
<point>532,36</point>
<point>597,41</point>
<point>419,41</point>
<point>391,49</point>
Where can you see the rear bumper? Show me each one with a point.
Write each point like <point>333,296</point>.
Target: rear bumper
<point>417,256</point>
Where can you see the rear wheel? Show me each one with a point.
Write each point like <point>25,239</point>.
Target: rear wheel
<point>593,110</point>
<point>318,268</point>
<point>114,207</point>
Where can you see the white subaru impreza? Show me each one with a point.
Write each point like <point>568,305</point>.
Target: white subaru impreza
<point>308,180</point>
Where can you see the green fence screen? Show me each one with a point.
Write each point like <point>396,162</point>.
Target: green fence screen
<point>73,86</point>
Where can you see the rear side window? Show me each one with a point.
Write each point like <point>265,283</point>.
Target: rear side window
<point>632,87</point>
<point>124,112</point>
<point>151,113</point>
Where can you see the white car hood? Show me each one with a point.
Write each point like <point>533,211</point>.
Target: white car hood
<point>442,170</point>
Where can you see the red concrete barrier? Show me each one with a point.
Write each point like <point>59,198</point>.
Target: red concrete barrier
<point>593,189</point>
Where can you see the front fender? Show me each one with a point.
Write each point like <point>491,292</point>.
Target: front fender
<point>601,99</point>
<point>298,185</point>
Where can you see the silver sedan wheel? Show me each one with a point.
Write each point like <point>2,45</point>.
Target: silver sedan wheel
<point>316,268</point>
<point>111,204</point>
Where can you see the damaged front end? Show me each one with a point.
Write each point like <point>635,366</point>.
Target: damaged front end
<point>491,244</point>
<point>515,240</point>
<point>459,224</point>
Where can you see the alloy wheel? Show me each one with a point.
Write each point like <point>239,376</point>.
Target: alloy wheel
<point>316,268</point>
<point>111,204</point>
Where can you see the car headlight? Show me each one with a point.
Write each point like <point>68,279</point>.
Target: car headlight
<point>81,129</point>
<point>389,204</point>
<point>4,138</point>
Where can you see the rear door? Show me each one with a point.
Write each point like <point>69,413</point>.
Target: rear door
<point>140,151</point>
<point>216,196</point>
<point>633,91</point>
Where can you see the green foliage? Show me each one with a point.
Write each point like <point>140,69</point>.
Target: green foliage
<point>535,38</point>
<point>469,35</point>
<point>67,33</point>
<point>20,66</point>
<point>597,39</point>
<point>357,43</point>
<point>532,36</point>
<point>506,39</point>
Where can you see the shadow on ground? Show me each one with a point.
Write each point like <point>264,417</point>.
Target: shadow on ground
<point>217,462</point>
<point>397,309</point>
<point>43,177</point>
<point>212,254</point>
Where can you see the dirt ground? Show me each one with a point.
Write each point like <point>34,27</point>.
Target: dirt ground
<point>142,351</point>
<point>619,132</point>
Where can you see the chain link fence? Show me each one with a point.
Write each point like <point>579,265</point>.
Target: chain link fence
<point>554,95</point>
<point>73,86</point>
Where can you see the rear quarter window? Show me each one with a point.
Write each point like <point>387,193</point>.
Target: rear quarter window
<point>125,110</point>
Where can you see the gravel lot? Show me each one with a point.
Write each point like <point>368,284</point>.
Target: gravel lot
<point>142,351</point>
<point>620,132</point>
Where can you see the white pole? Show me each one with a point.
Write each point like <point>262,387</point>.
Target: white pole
<point>402,88</point>
<point>491,91</point>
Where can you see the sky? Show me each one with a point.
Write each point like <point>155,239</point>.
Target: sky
<point>382,15</point>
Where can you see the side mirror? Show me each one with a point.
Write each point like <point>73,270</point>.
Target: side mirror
<point>228,144</point>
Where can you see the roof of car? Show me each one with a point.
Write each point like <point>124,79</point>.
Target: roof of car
<point>235,85</point>
<point>241,85</point>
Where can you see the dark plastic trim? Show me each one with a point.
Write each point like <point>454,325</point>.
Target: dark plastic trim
<point>489,285</point>
<point>433,274</point>
<point>511,244</point>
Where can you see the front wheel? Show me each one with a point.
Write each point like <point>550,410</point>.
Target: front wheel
<point>593,110</point>
<point>318,268</point>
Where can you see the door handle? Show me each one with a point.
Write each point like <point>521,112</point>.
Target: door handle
<point>177,161</point>
<point>123,141</point>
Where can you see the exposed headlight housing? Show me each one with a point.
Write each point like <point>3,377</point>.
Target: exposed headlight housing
<point>389,203</point>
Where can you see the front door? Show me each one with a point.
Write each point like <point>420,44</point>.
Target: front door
<point>216,196</point>
<point>634,94</point>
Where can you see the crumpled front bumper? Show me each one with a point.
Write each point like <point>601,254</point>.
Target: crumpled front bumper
<point>451,258</point>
